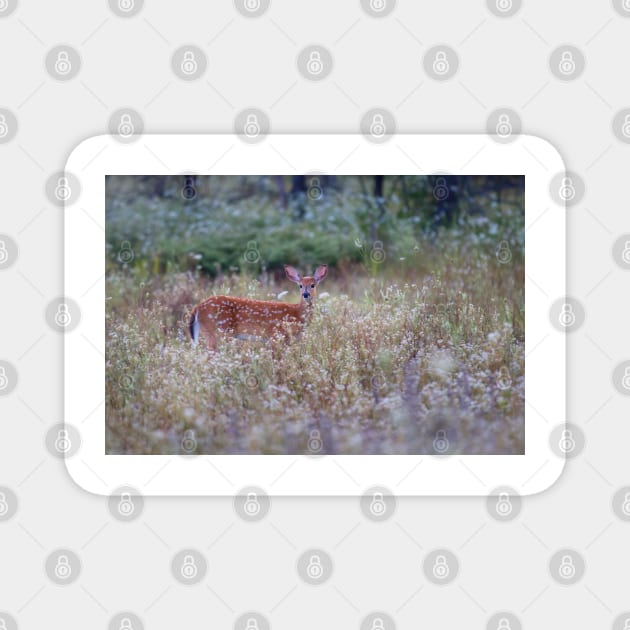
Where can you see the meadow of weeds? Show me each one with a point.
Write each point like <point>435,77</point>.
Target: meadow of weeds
<point>419,349</point>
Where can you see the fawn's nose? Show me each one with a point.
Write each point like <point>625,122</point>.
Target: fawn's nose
<point>306,294</point>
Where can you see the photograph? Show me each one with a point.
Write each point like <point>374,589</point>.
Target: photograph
<point>315,314</point>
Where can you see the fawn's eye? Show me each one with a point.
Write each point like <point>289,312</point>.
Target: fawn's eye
<point>300,286</point>
<point>312,286</point>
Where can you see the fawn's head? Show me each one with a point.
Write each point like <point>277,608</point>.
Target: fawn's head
<point>307,284</point>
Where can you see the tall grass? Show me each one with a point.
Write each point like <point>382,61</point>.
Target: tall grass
<point>395,357</point>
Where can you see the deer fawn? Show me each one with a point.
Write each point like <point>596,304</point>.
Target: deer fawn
<point>236,316</point>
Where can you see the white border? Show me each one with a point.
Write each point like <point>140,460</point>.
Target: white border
<point>338,475</point>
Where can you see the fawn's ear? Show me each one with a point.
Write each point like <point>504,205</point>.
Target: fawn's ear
<point>292,274</point>
<point>320,273</point>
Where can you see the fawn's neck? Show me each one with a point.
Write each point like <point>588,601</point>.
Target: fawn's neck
<point>305,308</point>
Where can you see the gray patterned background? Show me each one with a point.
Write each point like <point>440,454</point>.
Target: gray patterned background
<point>71,69</point>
